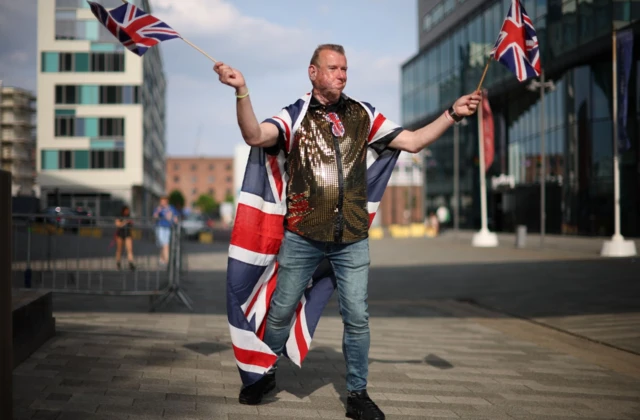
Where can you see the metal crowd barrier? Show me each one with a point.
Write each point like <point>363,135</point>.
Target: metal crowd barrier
<point>76,255</point>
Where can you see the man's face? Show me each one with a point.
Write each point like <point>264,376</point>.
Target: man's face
<point>164,202</point>
<point>330,75</point>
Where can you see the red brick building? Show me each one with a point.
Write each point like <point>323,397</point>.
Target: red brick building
<point>194,176</point>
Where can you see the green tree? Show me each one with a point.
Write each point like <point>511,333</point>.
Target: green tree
<point>229,198</point>
<point>206,203</point>
<point>176,199</point>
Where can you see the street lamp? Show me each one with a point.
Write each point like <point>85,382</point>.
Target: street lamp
<point>541,86</point>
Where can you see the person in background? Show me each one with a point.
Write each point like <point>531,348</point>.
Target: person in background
<point>123,237</point>
<point>434,223</point>
<point>166,216</point>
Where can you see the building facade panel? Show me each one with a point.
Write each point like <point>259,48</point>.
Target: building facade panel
<point>575,39</point>
<point>101,119</point>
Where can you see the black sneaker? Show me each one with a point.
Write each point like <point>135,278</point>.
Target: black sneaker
<point>132,266</point>
<point>252,394</point>
<point>360,407</point>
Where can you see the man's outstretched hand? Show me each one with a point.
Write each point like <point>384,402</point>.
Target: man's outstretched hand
<point>468,104</point>
<point>230,76</point>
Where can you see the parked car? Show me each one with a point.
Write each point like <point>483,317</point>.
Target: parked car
<point>85,213</point>
<point>63,217</point>
<point>193,224</point>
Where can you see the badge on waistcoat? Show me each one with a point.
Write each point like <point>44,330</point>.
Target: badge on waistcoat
<point>337,128</point>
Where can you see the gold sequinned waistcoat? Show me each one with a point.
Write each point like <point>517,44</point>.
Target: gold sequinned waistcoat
<point>327,189</point>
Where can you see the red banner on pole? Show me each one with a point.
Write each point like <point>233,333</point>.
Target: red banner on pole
<point>488,132</point>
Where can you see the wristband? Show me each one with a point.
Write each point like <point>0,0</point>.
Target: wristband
<point>455,117</point>
<point>449,118</point>
<point>242,96</point>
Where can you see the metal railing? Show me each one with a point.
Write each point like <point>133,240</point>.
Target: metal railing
<point>76,255</point>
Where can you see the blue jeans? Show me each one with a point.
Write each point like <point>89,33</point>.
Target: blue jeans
<point>298,258</point>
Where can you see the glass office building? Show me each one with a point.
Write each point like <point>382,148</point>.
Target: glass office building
<point>575,38</point>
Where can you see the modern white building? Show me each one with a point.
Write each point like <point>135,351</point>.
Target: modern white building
<point>100,115</point>
<point>17,112</point>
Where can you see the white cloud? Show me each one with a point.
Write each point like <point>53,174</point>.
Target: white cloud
<point>221,21</point>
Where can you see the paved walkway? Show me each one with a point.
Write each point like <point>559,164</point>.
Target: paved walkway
<point>432,355</point>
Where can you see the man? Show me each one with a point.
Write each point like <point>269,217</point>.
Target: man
<point>325,136</point>
<point>166,216</point>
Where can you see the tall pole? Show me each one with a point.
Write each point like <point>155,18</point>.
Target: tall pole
<point>483,183</point>
<point>617,246</point>
<point>456,179</point>
<point>543,163</point>
<point>483,238</point>
<point>617,236</point>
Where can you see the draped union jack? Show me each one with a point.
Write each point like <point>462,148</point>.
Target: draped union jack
<point>517,45</point>
<point>252,267</point>
<point>133,27</point>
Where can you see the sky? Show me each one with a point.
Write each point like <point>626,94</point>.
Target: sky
<point>269,42</point>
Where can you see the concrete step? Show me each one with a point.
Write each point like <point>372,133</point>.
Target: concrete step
<point>33,322</point>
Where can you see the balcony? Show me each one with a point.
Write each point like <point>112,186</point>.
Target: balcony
<point>18,140</point>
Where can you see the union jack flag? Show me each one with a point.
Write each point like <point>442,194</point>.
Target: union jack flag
<point>517,45</point>
<point>133,27</point>
<point>252,267</point>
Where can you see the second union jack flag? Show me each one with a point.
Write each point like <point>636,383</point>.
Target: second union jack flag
<point>133,27</point>
<point>517,45</point>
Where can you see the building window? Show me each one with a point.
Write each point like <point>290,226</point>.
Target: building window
<point>66,25</point>
<point>228,166</point>
<point>65,62</point>
<point>90,94</point>
<point>438,13</point>
<point>176,166</point>
<point>212,192</point>
<point>65,126</point>
<point>176,179</point>
<point>66,94</point>
<point>211,166</point>
<point>448,6</point>
<point>194,179</point>
<point>194,167</point>
<point>65,160</point>
<point>107,62</point>
<point>194,191</point>
<point>228,179</point>
<point>211,179</point>
<point>107,159</point>
<point>427,22</point>
<point>111,127</point>
<point>119,95</point>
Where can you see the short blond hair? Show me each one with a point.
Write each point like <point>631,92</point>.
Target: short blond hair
<point>333,47</point>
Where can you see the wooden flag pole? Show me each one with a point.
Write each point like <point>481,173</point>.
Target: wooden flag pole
<point>205,54</point>
<point>190,43</point>
<point>484,73</point>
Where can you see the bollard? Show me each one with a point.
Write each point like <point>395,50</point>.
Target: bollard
<point>6,307</point>
<point>521,236</point>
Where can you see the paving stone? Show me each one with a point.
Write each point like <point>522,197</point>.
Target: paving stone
<point>425,363</point>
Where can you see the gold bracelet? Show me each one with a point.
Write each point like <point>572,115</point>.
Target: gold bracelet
<point>242,96</point>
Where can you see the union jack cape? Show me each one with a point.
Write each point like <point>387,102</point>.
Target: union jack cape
<point>133,27</point>
<point>252,267</point>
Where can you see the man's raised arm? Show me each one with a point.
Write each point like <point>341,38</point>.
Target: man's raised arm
<point>253,133</point>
